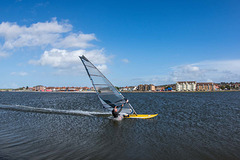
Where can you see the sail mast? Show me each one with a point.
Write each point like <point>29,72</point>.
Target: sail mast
<point>88,72</point>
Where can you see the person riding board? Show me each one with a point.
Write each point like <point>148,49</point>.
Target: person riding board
<point>115,111</point>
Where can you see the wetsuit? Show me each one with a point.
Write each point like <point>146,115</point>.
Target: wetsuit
<point>116,114</point>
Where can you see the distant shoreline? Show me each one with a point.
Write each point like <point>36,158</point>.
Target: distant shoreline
<point>49,92</point>
<point>178,91</point>
<point>128,91</point>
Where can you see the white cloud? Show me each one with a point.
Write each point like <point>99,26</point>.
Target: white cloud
<point>76,40</point>
<point>19,73</point>
<point>62,46</point>
<point>125,60</point>
<point>224,70</point>
<point>187,72</point>
<point>3,53</point>
<point>35,35</point>
<point>224,65</point>
<point>102,67</point>
<point>208,71</point>
<point>65,61</point>
<point>51,33</point>
<point>205,71</point>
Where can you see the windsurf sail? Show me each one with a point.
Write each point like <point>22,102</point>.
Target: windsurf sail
<point>107,93</point>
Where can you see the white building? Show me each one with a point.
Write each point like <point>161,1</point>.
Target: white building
<point>186,86</point>
<point>128,88</point>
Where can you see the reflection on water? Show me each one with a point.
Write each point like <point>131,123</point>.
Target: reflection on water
<point>189,126</point>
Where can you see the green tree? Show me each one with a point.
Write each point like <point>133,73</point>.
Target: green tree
<point>222,87</point>
<point>228,87</point>
<point>166,87</point>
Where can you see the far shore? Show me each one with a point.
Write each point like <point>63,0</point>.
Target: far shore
<point>125,91</point>
<point>178,91</point>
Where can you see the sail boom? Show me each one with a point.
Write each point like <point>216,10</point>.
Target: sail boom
<point>95,75</point>
<point>90,66</point>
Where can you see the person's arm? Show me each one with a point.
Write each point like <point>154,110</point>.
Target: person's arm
<point>120,109</point>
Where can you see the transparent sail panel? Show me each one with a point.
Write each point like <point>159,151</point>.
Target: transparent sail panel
<point>107,93</point>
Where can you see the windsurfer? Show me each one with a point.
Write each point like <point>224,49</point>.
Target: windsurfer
<point>115,111</point>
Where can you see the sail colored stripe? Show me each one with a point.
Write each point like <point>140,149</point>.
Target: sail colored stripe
<point>107,93</point>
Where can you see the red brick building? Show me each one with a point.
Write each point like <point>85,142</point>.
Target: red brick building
<point>206,86</point>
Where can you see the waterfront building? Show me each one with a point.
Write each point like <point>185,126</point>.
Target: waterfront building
<point>31,89</point>
<point>217,87</point>
<point>39,88</point>
<point>229,86</point>
<point>63,89</point>
<point>160,88</point>
<point>140,87</point>
<point>235,85</point>
<point>206,86</point>
<point>128,88</point>
<point>71,89</point>
<point>168,87</point>
<point>152,87</point>
<point>50,89</point>
<point>132,88</point>
<point>186,86</point>
<point>77,89</point>
<point>123,89</point>
<point>146,87</point>
<point>57,89</point>
<point>85,88</point>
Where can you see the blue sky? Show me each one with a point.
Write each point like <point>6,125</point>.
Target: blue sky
<point>132,42</point>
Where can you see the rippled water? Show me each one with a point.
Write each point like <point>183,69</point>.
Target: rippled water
<point>74,126</point>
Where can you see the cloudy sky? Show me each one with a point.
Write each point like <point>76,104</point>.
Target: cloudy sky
<point>131,42</point>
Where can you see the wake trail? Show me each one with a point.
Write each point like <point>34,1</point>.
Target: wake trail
<point>51,110</point>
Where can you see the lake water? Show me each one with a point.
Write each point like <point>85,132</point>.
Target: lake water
<point>74,126</point>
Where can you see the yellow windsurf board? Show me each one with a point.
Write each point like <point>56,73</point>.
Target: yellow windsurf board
<point>142,116</point>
